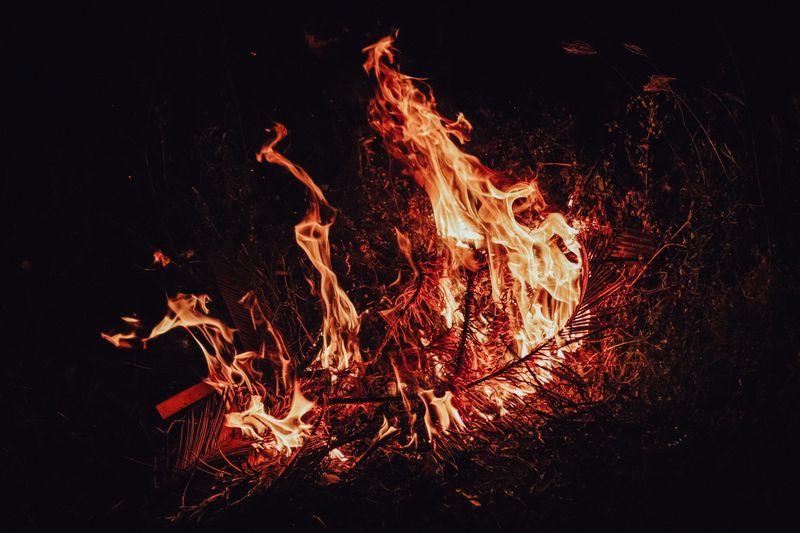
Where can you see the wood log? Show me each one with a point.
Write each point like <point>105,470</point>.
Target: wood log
<point>184,399</point>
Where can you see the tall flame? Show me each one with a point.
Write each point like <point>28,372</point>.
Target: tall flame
<point>538,267</point>
<point>340,321</point>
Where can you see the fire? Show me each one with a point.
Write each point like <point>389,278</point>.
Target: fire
<point>536,269</point>
<point>160,258</point>
<point>233,371</point>
<point>288,432</point>
<point>226,367</point>
<point>440,414</point>
<point>340,321</point>
<point>385,430</point>
<point>280,354</point>
<point>496,287</point>
<point>337,454</point>
<point>120,340</point>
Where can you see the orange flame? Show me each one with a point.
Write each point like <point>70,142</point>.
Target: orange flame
<point>160,258</point>
<point>402,388</point>
<point>120,340</point>
<point>258,318</point>
<point>229,369</point>
<point>533,259</point>
<point>536,268</point>
<point>440,414</point>
<point>385,430</point>
<point>340,321</point>
<point>288,432</point>
<point>404,245</point>
<point>226,367</point>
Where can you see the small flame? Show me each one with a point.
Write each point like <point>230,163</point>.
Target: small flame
<point>258,318</point>
<point>338,455</point>
<point>160,258</point>
<point>226,367</point>
<point>404,245</point>
<point>288,432</point>
<point>402,388</point>
<point>440,414</point>
<point>120,340</point>
<point>385,430</point>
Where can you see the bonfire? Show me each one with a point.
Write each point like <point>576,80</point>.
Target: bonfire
<point>496,314</point>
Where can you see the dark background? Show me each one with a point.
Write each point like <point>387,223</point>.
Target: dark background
<point>102,126</point>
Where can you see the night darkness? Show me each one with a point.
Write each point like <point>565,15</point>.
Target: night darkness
<point>131,129</point>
